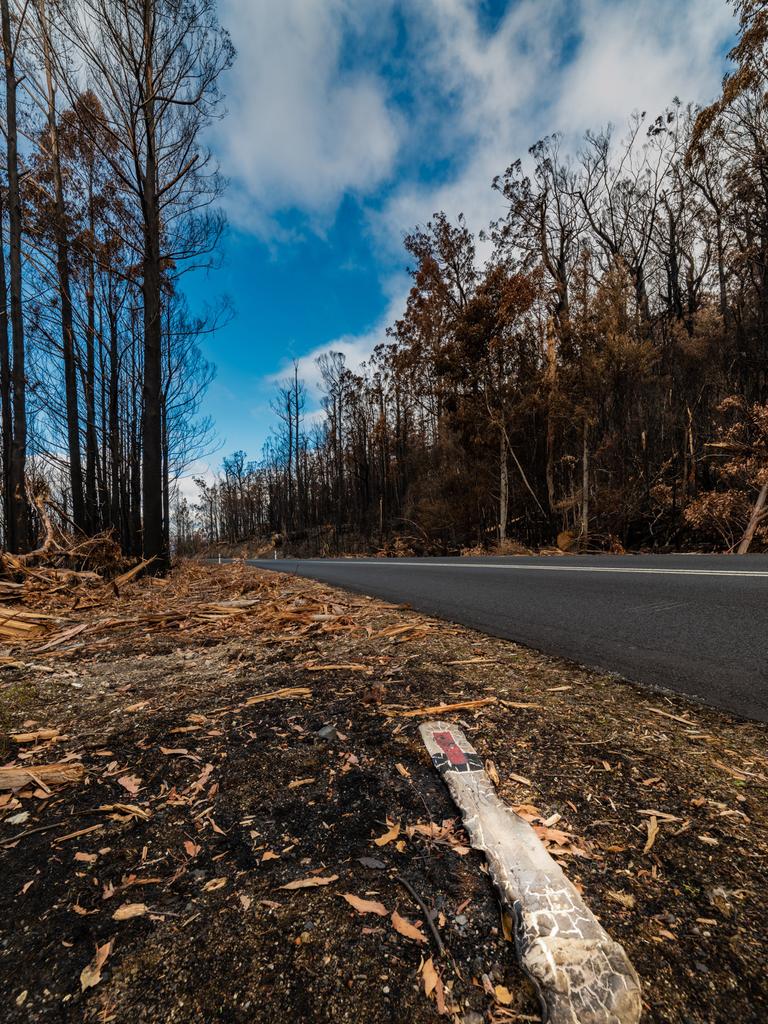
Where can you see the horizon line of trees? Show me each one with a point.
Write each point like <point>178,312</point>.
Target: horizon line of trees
<point>106,199</point>
<point>599,379</point>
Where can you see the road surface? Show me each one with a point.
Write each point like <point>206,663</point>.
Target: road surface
<point>694,624</point>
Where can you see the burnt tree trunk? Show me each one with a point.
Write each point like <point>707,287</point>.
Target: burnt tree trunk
<point>5,392</point>
<point>65,293</point>
<point>17,497</point>
<point>152,436</point>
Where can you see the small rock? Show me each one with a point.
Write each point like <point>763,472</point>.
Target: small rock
<point>327,733</point>
<point>21,998</point>
<point>472,1017</point>
<point>461,919</point>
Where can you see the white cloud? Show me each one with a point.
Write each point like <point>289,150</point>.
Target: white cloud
<point>356,348</point>
<point>302,128</point>
<point>638,56</point>
<point>510,88</point>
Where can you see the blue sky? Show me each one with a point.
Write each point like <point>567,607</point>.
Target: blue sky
<point>351,121</point>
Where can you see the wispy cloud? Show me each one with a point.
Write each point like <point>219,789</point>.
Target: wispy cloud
<point>356,348</point>
<point>305,125</point>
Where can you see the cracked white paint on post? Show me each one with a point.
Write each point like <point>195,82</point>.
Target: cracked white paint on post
<point>582,975</point>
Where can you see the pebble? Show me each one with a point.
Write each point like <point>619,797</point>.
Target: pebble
<point>461,919</point>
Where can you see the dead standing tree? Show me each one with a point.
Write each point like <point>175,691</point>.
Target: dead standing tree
<point>17,522</point>
<point>154,65</point>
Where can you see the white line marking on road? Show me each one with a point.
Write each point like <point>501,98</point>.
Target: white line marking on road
<point>529,568</point>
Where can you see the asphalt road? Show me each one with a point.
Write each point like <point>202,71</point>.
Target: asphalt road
<point>694,624</point>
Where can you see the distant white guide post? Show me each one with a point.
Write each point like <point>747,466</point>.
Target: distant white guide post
<point>582,975</point>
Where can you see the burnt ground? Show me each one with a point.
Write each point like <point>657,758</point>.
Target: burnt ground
<point>197,807</point>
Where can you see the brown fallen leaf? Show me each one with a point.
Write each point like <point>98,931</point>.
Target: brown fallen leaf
<point>653,830</point>
<point>364,906</point>
<point>130,783</point>
<point>169,751</point>
<point>86,858</point>
<point>309,883</point>
<point>91,974</point>
<point>503,995</point>
<point>404,927</point>
<point>129,910</point>
<point>300,782</point>
<point>214,884</point>
<point>625,899</point>
<point>392,833</point>
<point>493,774</point>
<point>269,855</point>
<point>191,849</point>
<point>77,909</point>
<point>402,770</point>
<point>245,901</point>
<point>429,976</point>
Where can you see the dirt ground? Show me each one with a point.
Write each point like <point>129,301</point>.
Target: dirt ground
<point>154,889</point>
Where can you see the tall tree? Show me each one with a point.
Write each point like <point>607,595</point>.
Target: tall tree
<point>155,66</point>
<point>58,217</point>
<point>18,522</point>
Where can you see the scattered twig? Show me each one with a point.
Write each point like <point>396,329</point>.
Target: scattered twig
<point>440,709</point>
<point>427,916</point>
<point>29,832</point>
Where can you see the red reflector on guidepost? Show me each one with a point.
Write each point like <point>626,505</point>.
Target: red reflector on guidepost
<point>448,745</point>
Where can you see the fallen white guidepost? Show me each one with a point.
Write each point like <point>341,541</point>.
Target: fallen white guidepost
<point>582,975</point>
